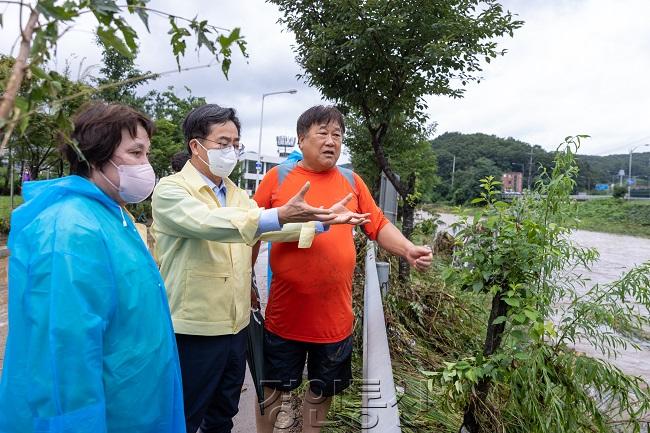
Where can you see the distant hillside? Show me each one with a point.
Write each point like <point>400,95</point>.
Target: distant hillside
<point>479,155</point>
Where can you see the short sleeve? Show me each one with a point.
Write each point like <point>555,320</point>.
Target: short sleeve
<point>265,189</point>
<point>367,205</point>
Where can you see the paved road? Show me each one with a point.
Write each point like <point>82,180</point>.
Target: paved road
<point>245,419</point>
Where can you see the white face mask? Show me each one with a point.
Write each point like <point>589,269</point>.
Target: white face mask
<point>136,181</point>
<point>222,161</point>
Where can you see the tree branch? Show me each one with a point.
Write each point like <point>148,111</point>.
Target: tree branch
<point>18,71</point>
<point>93,90</point>
<point>19,3</point>
<point>161,13</point>
<point>382,161</point>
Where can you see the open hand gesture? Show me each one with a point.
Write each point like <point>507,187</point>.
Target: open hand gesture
<point>343,215</point>
<point>297,210</point>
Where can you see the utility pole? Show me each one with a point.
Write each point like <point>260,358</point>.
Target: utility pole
<point>530,166</point>
<point>453,170</point>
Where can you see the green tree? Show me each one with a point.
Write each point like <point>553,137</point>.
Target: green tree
<point>118,68</point>
<point>36,142</point>
<point>467,182</point>
<point>407,147</point>
<point>168,111</point>
<point>381,58</point>
<point>528,377</point>
<point>43,27</point>
<point>506,154</point>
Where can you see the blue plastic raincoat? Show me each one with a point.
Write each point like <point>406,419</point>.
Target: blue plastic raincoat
<point>90,345</point>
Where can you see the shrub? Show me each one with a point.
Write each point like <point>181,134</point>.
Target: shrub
<point>619,191</point>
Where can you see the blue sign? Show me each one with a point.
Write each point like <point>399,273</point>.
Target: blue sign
<point>602,187</point>
<point>258,166</point>
<point>631,181</point>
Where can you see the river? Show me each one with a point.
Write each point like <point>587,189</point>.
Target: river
<point>618,254</point>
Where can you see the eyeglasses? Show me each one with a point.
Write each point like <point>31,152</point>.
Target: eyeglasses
<point>223,144</point>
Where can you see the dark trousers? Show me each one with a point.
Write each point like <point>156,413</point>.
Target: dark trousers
<point>213,370</point>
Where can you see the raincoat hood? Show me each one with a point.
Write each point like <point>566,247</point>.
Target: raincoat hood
<point>39,194</point>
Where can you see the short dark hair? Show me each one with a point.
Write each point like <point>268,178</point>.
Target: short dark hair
<point>179,159</point>
<point>319,114</point>
<point>98,132</point>
<point>198,122</point>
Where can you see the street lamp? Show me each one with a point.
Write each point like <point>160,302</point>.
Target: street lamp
<point>258,165</point>
<point>629,172</point>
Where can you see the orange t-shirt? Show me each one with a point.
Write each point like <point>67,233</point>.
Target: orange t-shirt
<point>311,289</point>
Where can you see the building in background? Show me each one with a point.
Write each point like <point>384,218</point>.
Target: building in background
<point>512,182</point>
<point>249,161</point>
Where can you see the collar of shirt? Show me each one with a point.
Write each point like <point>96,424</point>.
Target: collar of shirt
<point>219,190</point>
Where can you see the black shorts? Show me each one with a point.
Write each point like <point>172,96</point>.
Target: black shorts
<point>329,365</point>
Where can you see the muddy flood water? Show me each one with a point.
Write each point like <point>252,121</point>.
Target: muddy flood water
<point>618,254</point>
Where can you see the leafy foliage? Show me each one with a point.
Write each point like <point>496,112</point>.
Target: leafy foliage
<point>619,191</point>
<point>528,378</point>
<point>115,34</point>
<point>379,59</point>
<point>509,154</point>
<point>613,215</point>
<point>408,149</point>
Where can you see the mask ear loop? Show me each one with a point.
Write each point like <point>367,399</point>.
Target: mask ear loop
<point>106,178</point>
<point>124,224</point>
<point>197,155</point>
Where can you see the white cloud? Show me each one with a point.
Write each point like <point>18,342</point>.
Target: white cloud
<point>577,66</point>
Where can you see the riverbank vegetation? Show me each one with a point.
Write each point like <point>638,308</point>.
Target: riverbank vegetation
<point>485,339</point>
<point>626,217</point>
<point>606,215</point>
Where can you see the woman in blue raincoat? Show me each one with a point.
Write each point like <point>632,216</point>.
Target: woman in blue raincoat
<point>90,345</point>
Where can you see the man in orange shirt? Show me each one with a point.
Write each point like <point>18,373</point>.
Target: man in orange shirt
<point>309,312</point>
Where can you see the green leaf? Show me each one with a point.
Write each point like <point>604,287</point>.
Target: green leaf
<point>532,315</point>
<point>111,40</point>
<point>129,34</point>
<point>499,320</point>
<point>104,7</point>
<point>513,302</point>
<point>22,104</point>
<point>518,335</point>
<point>38,72</point>
<point>519,318</point>
<point>477,286</point>
<point>24,122</point>
<point>225,66</point>
<point>139,7</point>
<point>60,13</point>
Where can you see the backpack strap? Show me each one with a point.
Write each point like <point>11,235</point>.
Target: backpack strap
<point>284,169</point>
<point>348,175</point>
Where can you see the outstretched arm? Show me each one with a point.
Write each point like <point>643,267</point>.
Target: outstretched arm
<point>393,241</point>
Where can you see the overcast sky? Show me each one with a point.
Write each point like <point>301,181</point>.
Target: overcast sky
<point>575,67</point>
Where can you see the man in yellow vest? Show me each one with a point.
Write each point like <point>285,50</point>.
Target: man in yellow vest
<point>205,227</point>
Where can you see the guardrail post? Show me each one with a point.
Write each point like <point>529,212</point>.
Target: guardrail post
<point>379,412</point>
<point>383,272</point>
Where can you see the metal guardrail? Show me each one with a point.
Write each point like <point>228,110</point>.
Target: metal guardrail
<point>379,413</point>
